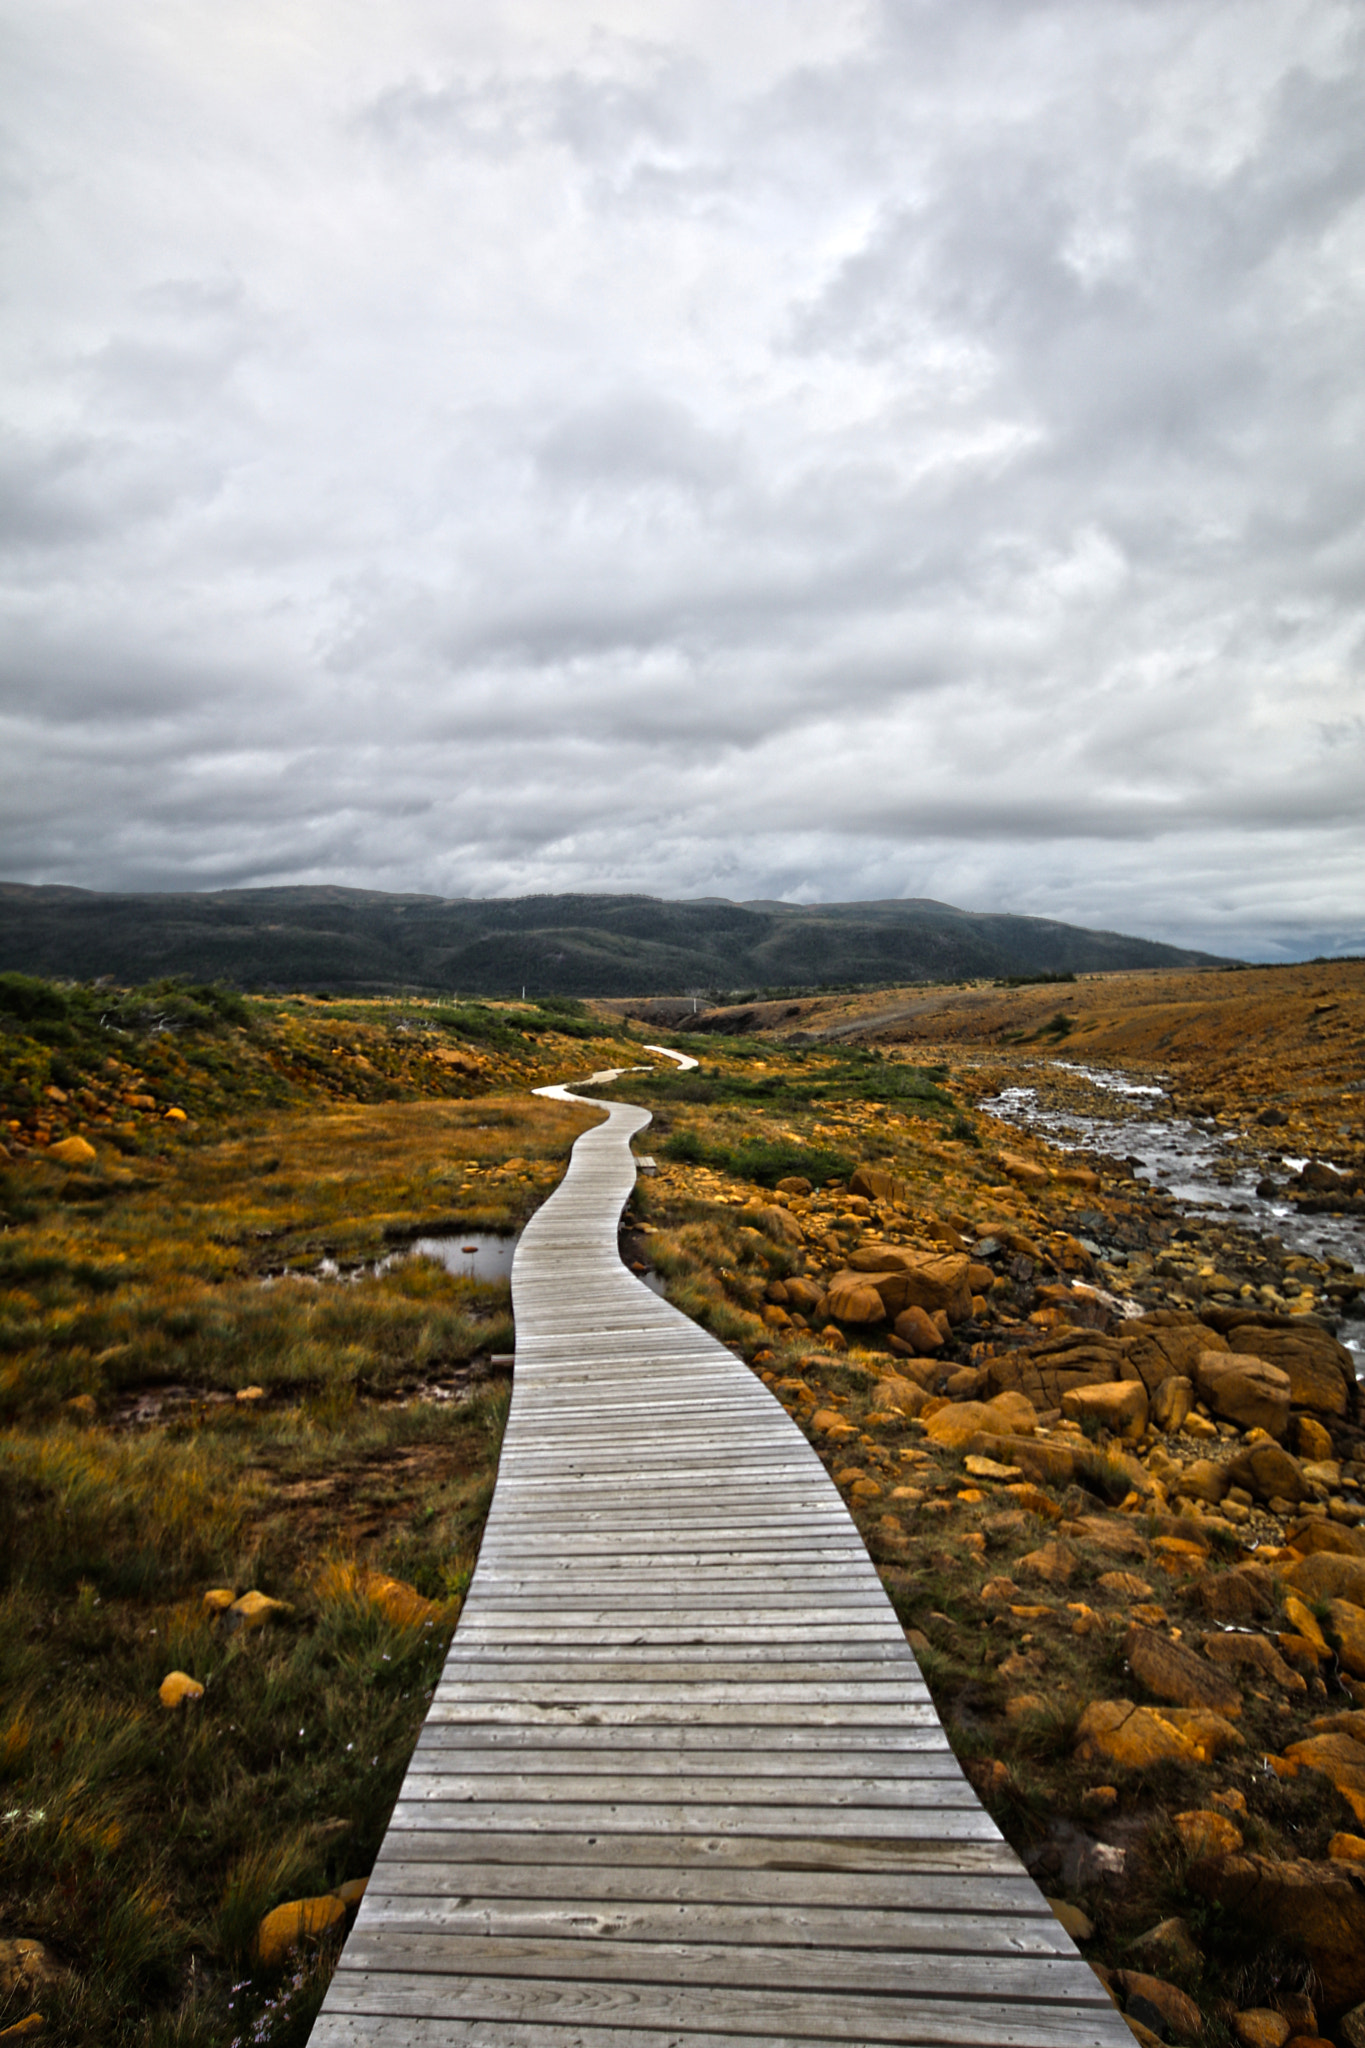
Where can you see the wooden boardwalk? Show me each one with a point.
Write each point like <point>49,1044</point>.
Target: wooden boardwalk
<point>681,1784</point>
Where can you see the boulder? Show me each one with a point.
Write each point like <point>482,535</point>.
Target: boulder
<point>1316,1533</point>
<point>1352,2027</point>
<point>1319,1369</point>
<point>1241,1596</point>
<point>1044,1463</point>
<point>1344,1848</point>
<point>1014,1412</point>
<point>1240,1651</point>
<point>803,1295</point>
<point>1177,2009</point>
<point>1066,1359</point>
<point>253,1609</point>
<point>1259,2027</point>
<point>912,1279</point>
<point>1111,1534</point>
<point>1244,1390</point>
<point>1052,1565</point>
<point>1311,1440</point>
<point>1174,1673</point>
<point>284,1930</point>
<point>1119,1732</point>
<point>1209,1734</point>
<point>1203,1832</point>
<point>1305,1624</point>
<point>1071,1919</point>
<point>1171,1403</point>
<point>914,1327</point>
<point>1126,1586</point>
<point>1165,1345</point>
<point>1119,1406</point>
<point>1327,1575</point>
<point>1346,1627</point>
<point>1202,1480</point>
<point>1320,1905</point>
<point>907,1397</point>
<point>851,1299</point>
<point>875,1184</point>
<point>401,1603</point>
<point>1340,1758</point>
<point>73,1152</point>
<point>177,1687</point>
<point>1167,1946</point>
<point>1270,1472</point>
<point>957,1422</point>
<point>1030,1173</point>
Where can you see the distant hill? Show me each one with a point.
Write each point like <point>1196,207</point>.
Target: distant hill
<point>363,942</point>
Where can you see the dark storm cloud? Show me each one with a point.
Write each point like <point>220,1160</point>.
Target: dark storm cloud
<point>820,450</point>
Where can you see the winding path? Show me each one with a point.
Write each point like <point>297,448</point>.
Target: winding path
<point>681,1784</point>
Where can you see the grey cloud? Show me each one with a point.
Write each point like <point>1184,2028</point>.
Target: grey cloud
<point>912,451</point>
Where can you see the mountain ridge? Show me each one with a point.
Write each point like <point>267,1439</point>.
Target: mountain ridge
<point>326,936</point>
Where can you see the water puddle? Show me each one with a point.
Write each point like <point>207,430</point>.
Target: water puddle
<point>484,1255</point>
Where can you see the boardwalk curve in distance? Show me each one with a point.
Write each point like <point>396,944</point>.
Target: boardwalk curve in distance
<point>681,1783</point>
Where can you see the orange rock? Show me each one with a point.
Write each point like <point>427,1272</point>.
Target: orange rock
<point>1175,1673</point>
<point>1347,1848</point>
<point>914,1327</point>
<point>178,1686</point>
<point>1328,1575</point>
<point>1259,2027</point>
<point>255,1608</point>
<point>288,1926</point>
<point>1118,1405</point>
<point>1204,1833</point>
<point>1124,1586</point>
<point>1339,1758</point>
<point>1054,1564</point>
<point>853,1300</point>
<point>1347,1625</point>
<point>1244,1390</point>
<point>1210,1734</point>
<point>1122,1733</point>
<point>399,1602</point>
<point>1305,1624</point>
<point>1178,2010</point>
<point>73,1152</point>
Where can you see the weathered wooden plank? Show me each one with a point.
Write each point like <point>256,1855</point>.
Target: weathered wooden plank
<point>697,1743</point>
<point>956,1898</point>
<point>342,2030</point>
<point>578,1917</point>
<point>733,2011</point>
<point>938,1822</point>
<point>668,1759</point>
<point>826,1856</point>
<point>681,1783</point>
<point>929,1788</point>
<point>923,1972</point>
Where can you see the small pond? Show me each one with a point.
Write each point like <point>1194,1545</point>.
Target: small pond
<point>473,1254</point>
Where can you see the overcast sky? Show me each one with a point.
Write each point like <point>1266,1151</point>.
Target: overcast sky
<point>794,449</point>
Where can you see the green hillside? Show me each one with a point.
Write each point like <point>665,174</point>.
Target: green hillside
<point>359,941</point>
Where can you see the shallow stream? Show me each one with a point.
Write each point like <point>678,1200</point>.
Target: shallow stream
<point>1203,1167</point>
